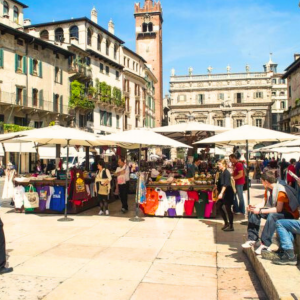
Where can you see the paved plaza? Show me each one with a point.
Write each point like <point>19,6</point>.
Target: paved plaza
<point>98,257</point>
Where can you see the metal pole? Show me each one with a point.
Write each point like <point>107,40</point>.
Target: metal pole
<point>137,218</point>
<point>19,164</point>
<point>247,183</point>
<point>65,218</point>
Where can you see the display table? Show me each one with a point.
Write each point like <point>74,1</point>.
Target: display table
<point>72,208</point>
<point>196,187</point>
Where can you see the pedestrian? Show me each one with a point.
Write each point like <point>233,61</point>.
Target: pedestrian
<point>239,178</point>
<point>257,171</point>
<point>122,173</point>
<point>283,167</point>
<point>280,202</point>
<point>193,168</point>
<point>291,180</point>
<point>226,195</point>
<point>103,179</point>
<point>3,269</point>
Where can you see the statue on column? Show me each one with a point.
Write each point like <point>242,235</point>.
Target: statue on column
<point>209,69</point>
<point>173,72</point>
<point>191,71</point>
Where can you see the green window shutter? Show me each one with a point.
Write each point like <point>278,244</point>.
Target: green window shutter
<point>24,65</point>
<point>105,118</point>
<point>61,104</point>
<point>1,58</point>
<point>32,96</point>
<point>41,99</point>
<point>17,96</point>
<point>24,97</point>
<point>40,69</point>
<point>16,62</point>
<point>30,66</point>
<point>54,100</point>
<point>110,119</point>
<point>61,76</point>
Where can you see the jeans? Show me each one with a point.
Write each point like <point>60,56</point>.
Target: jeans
<point>2,247</point>
<point>269,229</point>
<point>239,207</point>
<point>286,230</point>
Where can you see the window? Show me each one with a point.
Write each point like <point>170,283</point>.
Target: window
<point>258,95</point>
<point>74,32</point>
<point>290,91</point>
<point>118,121</point>
<point>20,121</point>
<point>117,75</point>
<point>107,70</point>
<point>137,67</point>
<point>35,67</point>
<point>56,74</point>
<point>258,122</point>
<point>99,41</point>
<point>19,62</point>
<point>88,61</point>
<point>107,47</point>
<point>201,98</point>
<point>221,96</point>
<point>220,123</point>
<point>16,14</point>
<point>55,102</point>
<point>282,93</point>
<point>126,85</point>
<point>109,119</point>
<point>34,97</point>
<point>5,8</point>
<point>115,51</point>
<point>274,81</point>
<point>136,123</point>
<point>273,93</point>
<point>44,35</point>
<point>239,123</point>
<point>239,97</point>
<point>124,61</point>
<point>128,62</point>
<point>150,27</point>
<point>145,27</point>
<point>101,67</point>
<point>90,117</point>
<point>282,81</point>
<point>59,35</point>
<point>19,96</point>
<point>89,37</point>
<point>20,42</point>
<point>136,90</point>
<point>1,118</point>
<point>82,121</point>
<point>133,65</point>
<point>38,124</point>
<point>282,105</point>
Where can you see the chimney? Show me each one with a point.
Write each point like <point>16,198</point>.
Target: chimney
<point>111,27</point>
<point>296,56</point>
<point>94,15</point>
<point>27,22</point>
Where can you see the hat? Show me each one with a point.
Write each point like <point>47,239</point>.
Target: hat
<point>9,164</point>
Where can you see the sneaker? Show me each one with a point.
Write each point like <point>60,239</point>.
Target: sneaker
<point>249,244</point>
<point>230,228</point>
<point>101,212</point>
<point>286,260</point>
<point>5,270</point>
<point>225,226</point>
<point>123,210</point>
<point>270,255</point>
<point>260,248</point>
<point>107,212</point>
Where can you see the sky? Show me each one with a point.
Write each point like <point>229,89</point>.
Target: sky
<point>198,33</point>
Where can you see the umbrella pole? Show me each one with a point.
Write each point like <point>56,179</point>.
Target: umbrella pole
<point>137,218</point>
<point>65,218</point>
<point>247,183</point>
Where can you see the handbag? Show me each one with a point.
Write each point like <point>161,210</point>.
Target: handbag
<point>31,198</point>
<point>233,184</point>
<point>103,190</point>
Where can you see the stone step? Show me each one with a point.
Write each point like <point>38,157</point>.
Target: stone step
<point>278,282</point>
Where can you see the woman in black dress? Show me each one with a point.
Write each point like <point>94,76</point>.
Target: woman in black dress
<point>226,195</point>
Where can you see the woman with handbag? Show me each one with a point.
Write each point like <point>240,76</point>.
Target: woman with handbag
<point>226,195</point>
<point>103,179</point>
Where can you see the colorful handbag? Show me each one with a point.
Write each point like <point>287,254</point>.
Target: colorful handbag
<point>31,198</point>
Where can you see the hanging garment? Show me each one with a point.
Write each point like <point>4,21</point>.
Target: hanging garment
<point>31,198</point>
<point>180,207</point>
<point>201,204</point>
<point>8,189</point>
<point>43,192</point>
<point>19,193</point>
<point>27,188</point>
<point>79,190</point>
<point>58,199</point>
<point>51,192</point>
<point>163,203</point>
<point>173,198</point>
<point>151,204</point>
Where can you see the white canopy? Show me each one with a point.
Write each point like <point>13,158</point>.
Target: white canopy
<point>279,150</point>
<point>1,150</point>
<point>144,137</point>
<point>252,134</point>
<point>20,147</point>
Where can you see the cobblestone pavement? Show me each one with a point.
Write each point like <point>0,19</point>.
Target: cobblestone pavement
<point>111,258</point>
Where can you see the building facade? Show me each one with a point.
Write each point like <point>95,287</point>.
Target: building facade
<point>148,29</point>
<point>230,100</point>
<point>32,74</point>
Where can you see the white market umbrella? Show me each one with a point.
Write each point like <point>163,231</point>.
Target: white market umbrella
<point>138,138</point>
<point>248,134</point>
<point>63,136</point>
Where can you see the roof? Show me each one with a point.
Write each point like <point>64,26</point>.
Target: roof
<point>20,3</point>
<point>291,68</point>
<point>77,20</point>
<point>134,53</point>
<point>105,59</point>
<point>29,38</point>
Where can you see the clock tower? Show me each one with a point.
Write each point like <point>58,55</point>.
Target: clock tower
<point>148,30</point>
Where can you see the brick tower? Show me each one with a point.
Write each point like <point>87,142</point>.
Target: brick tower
<point>148,28</point>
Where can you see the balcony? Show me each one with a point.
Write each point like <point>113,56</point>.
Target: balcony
<point>127,109</point>
<point>80,72</point>
<point>29,105</point>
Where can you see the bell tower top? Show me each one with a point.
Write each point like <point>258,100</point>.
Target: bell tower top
<point>149,7</point>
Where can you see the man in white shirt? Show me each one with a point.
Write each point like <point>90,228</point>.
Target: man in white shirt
<point>123,182</point>
<point>3,269</point>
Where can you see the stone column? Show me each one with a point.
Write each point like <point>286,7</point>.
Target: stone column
<point>227,115</point>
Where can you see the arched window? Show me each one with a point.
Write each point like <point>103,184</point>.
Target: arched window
<point>107,47</point>
<point>150,27</point>
<point>99,41</point>
<point>44,35</point>
<point>89,37</point>
<point>59,35</point>
<point>34,97</point>
<point>282,93</point>
<point>74,32</point>
<point>16,14</point>
<point>5,8</point>
<point>115,51</point>
<point>282,105</point>
<point>145,27</point>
